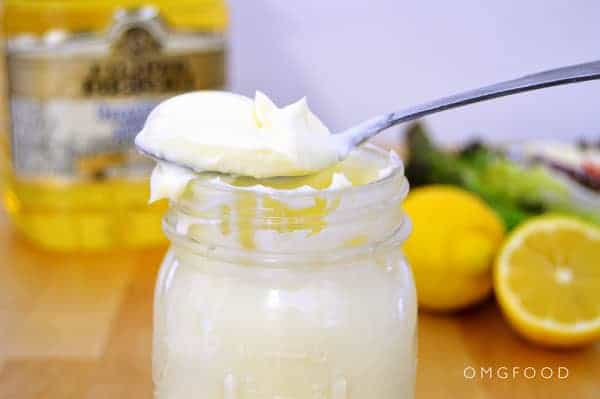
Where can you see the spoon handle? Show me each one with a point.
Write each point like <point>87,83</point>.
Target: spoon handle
<point>554,77</point>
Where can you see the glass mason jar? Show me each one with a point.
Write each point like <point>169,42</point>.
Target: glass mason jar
<point>286,294</point>
<point>82,77</point>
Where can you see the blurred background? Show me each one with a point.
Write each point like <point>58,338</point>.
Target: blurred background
<point>80,246</point>
<point>356,59</point>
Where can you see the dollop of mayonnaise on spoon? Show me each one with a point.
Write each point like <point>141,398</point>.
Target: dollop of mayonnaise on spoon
<point>229,133</point>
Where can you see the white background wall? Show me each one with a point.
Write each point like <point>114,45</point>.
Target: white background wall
<point>354,59</point>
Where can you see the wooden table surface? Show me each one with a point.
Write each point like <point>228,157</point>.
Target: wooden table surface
<point>77,326</point>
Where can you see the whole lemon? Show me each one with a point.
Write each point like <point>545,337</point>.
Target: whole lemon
<point>452,247</point>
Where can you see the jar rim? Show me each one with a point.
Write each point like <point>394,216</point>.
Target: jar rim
<point>213,217</point>
<point>396,171</point>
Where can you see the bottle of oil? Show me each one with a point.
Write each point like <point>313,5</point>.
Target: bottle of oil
<point>82,77</point>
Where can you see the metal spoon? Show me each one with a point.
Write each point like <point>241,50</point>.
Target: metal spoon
<point>356,135</point>
<point>347,140</point>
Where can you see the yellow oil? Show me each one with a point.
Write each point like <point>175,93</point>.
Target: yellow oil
<point>312,218</point>
<point>89,214</point>
<point>86,215</point>
<point>358,172</point>
<point>40,16</point>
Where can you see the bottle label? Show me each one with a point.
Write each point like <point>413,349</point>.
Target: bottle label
<point>77,105</point>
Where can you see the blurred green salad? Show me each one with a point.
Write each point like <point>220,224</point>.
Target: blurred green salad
<point>518,181</point>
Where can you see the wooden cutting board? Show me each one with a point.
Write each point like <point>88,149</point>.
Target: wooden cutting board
<point>79,326</point>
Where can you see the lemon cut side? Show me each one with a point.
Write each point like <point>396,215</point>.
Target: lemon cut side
<point>547,281</point>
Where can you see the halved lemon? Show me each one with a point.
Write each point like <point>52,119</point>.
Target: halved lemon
<point>547,281</point>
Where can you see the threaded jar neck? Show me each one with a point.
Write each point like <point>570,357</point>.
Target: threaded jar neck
<point>274,224</point>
